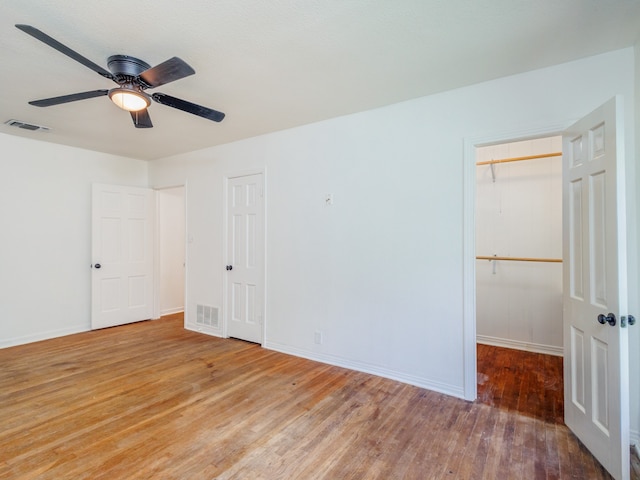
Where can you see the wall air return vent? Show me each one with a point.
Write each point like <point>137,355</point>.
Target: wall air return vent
<point>26,126</point>
<point>207,316</point>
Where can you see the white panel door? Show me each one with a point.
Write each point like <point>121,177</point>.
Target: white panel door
<point>245,257</point>
<point>122,255</point>
<point>596,354</point>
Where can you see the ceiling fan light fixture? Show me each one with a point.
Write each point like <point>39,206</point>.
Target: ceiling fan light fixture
<point>133,76</point>
<point>129,99</point>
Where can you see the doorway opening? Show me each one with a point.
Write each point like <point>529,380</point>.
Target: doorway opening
<point>518,237</point>
<point>171,246</point>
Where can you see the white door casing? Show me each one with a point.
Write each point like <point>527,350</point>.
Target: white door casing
<point>596,376</point>
<point>244,275</point>
<point>469,391</point>
<point>122,255</point>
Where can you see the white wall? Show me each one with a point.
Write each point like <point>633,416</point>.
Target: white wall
<point>519,214</point>
<point>380,272</point>
<point>171,244</point>
<point>45,238</point>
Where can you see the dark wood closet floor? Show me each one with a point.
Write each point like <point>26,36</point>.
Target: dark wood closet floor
<point>153,401</point>
<point>524,382</point>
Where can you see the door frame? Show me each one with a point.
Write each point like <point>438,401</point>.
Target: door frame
<point>225,244</point>
<point>157,276</point>
<point>470,372</point>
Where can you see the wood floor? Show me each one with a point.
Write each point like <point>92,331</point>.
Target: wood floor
<point>151,400</point>
<point>528,383</point>
<point>524,382</point>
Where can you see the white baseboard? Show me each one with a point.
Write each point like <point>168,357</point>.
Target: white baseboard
<point>37,337</point>
<point>447,389</point>
<point>171,311</point>
<point>203,329</point>
<point>518,345</point>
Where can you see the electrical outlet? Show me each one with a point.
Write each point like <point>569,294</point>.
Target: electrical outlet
<point>317,337</point>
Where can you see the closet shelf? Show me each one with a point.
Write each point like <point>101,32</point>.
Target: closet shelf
<point>521,259</point>
<point>519,159</point>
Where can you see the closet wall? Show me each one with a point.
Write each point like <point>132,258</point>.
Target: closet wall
<point>519,214</point>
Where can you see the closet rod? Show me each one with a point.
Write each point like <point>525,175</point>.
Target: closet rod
<point>519,159</point>
<point>521,259</point>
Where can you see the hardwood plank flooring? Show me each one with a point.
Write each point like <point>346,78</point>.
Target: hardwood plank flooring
<point>152,400</point>
<point>518,381</point>
<point>530,384</point>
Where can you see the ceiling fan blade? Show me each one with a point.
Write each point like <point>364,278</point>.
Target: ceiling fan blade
<point>48,102</point>
<point>43,37</point>
<point>141,119</point>
<point>188,107</point>
<point>168,71</point>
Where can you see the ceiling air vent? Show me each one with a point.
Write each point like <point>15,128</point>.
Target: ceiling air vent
<point>26,126</point>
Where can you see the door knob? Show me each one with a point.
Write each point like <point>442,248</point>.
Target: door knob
<point>229,267</point>
<point>632,320</point>
<point>610,319</point>
<point>97,265</point>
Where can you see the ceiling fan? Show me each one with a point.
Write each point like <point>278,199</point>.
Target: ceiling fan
<point>133,77</point>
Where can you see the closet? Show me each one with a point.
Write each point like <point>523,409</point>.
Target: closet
<point>519,245</point>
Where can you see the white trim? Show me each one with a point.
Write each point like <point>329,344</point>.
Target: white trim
<point>171,311</point>
<point>447,389</point>
<point>225,248</point>
<point>203,329</point>
<point>518,345</point>
<point>51,334</point>
<point>469,239</point>
<point>470,375</point>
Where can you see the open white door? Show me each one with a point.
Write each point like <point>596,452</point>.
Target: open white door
<point>596,376</point>
<point>122,255</point>
<point>245,257</point>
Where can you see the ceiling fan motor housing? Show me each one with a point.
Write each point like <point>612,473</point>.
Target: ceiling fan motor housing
<point>124,67</point>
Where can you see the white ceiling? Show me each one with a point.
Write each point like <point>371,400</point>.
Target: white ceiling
<point>272,65</point>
